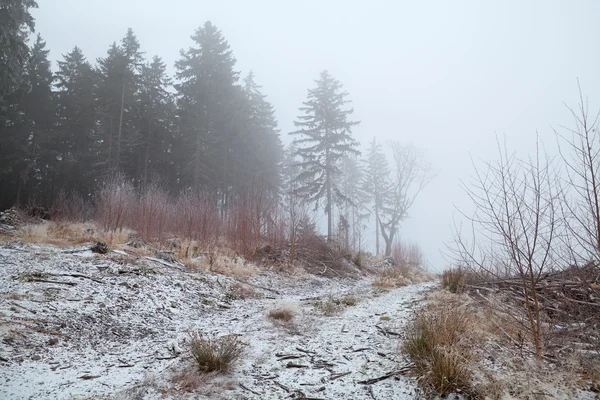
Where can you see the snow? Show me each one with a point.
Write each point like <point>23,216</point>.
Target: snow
<point>126,320</point>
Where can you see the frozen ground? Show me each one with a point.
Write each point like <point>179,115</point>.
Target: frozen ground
<point>78,325</point>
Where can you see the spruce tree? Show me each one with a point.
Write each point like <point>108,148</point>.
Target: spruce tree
<point>324,138</point>
<point>15,24</point>
<point>76,122</point>
<point>157,110</point>
<point>261,147</point>
<point>207,95</point>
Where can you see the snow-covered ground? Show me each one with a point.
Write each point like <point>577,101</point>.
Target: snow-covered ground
<point>82,325</point>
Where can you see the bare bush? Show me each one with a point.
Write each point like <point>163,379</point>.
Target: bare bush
<point>115,202</point>
<point>153,212</point>
<point>70,207</point>
<point>407,254</point>
<point>196,218</point>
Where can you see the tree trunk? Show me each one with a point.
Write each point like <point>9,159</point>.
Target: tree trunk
<point>147,156</point>
<point>120,125</point>
<point>376,227</point>
<point>329,208</point>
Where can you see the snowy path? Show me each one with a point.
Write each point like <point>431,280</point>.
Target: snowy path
<point>101,337</point>
<point>339,351</point>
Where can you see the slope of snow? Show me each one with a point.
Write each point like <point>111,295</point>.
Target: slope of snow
<point>82,325</point>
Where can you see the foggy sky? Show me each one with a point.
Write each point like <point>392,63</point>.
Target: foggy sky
<point>447,76</point>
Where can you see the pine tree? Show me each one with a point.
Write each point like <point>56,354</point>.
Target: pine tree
<point>377,183</point>
<point>207,95</point>
<point>15,24</point>
<point>325,137</point>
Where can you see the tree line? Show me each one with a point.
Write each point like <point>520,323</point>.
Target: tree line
<point>206,129</point>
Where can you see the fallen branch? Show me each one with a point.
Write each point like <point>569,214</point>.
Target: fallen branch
<point>248,389</point>
<point>24,308</point>
<point>259,287</point>
<point>287,389</point>
<point>166,263</point>
<point>79,276</point>
<point>88,377</point>
<point>333,377</point>
<point>294,365</point>
<point>387,331</point>
<point>306,351</point>
<point>400,371</point>
<point>51,281</point>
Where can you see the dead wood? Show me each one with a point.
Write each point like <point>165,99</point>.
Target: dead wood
<point>339,375</point>
<point>400,371</point>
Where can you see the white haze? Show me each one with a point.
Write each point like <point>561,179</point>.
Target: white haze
<point>447,76</point>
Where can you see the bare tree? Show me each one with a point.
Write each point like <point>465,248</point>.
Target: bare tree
<point>514,229</point>
<point>411,173</point>
<point>581,156</point>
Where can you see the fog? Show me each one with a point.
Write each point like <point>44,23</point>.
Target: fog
<point>448,77</point>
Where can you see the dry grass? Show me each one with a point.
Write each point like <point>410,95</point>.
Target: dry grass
<point>215,354</point>
<point>434,344</point>
<point>398,276</point>
<point>453,280</point>
<point>64,234</point>
<point>491,354</point>
<point>333,305</point>
<point>242,291</point>
<point>282,314</point>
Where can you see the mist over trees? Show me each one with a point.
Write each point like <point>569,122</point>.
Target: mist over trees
<point>206,129</point>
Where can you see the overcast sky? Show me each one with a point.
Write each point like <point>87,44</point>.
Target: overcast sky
<point>447,76</point>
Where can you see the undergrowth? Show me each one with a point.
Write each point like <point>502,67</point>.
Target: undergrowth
<point>434,344</point>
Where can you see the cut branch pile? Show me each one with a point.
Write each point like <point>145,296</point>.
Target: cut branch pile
<point>569,299</point>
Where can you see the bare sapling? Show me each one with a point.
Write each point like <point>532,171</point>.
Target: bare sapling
<point>514,230</point>
<point>580,152</point>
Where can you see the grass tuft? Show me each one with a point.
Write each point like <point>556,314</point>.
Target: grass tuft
<point>281,314</point>
<point>215,354</point>
<point>453,280</point>
<point>433,344</point>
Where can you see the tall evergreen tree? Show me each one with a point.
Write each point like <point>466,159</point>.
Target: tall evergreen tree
<point>118,89</point>
<point>110,98</point>
<point>15,24</point>
<point>26,133</point>
<point>157,110</point>
<point>76,122</point>
<point>207,94</point>
<point>325,137</point>
<point>261,145</point>
<point>376,183</point>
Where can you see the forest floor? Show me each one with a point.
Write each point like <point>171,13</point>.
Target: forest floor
<point>79,325</point>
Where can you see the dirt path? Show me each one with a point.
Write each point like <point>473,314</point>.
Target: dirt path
<point>116,326</point>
